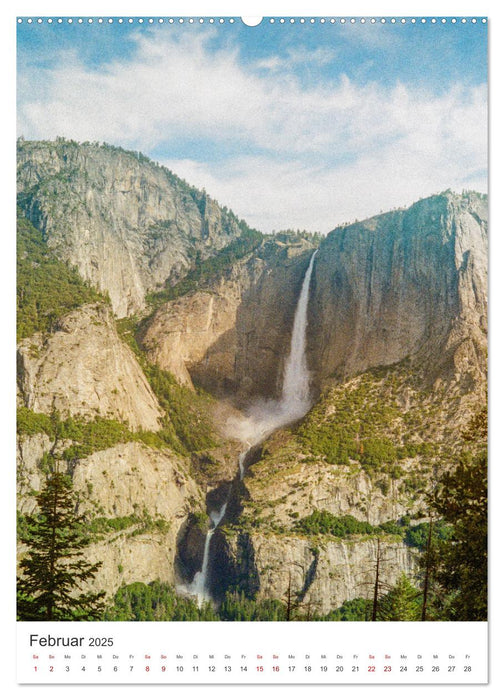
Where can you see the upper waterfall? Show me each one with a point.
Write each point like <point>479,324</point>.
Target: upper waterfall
<point>296,385</point>
<point>267,415</point>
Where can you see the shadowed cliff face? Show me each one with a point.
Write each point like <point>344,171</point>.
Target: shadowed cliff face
<point>407,283</point>
<point>231,337</point>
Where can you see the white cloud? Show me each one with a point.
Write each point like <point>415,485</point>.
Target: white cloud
<point>297,56</point>
<point>307,158</point>
<point>271,194</point>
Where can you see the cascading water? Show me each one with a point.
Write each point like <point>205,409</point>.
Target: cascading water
<point>241,462</point>
<point>198,586</point>
<point>265,417</point>
<point>295,400</point>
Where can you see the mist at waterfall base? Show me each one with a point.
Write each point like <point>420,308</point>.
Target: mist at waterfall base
<point>264,417</point>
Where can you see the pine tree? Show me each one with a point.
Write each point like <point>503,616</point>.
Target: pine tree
<point>52,571</point>
<point>401,603</point>
<point>462,570</point>
<point>461,563</point>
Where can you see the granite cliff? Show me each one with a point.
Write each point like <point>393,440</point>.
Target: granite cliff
<point>84,369</point>
<point>410,283</point>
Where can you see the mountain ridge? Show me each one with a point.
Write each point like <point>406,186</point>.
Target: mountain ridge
<point>127,224</point>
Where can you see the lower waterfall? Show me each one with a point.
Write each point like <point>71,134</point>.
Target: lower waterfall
<point>266,416</point>
<point>198,585</point>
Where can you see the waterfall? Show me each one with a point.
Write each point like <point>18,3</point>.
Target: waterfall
<point>198,586</point>
<point>296,384</point>
<point>265,417</point>
<point>241,463</point>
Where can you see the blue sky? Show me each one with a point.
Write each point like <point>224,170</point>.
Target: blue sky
<point>291,125</point>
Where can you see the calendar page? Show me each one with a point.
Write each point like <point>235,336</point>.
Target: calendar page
<point>252,349</point>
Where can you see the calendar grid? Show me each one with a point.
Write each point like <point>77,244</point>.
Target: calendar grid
<point>197,653</point>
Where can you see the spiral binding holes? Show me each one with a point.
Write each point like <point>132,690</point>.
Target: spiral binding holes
<point>286,21</point>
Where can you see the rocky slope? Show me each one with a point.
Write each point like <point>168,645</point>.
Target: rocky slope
<point>372,448</point>
<point>318,577</point>
<point>127,224</point>
<point>85,369</point>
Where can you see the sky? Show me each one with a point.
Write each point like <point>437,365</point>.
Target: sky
<point>291,125</point>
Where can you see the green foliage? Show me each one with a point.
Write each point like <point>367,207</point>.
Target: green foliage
<point>159,601</point>
<point>52,572</point>
<point>355,610</point>
<point>31,423</point>
<point>142,523</point>
<point>323,522</point>
<point>291,236</point>
<point>103,525</point>
<point>377,451</point>
<point>237,606</point>
<point>22,529</point>
<point>187,426</point>
<point>200,519</point>
<point>89,436</point>
<point>127,328</point>
<point>46,287</point>
<point>155,601</point>
<point>355,429</point>
<point>363,422</point>
<point>403,602</point>
<point>417,535</point>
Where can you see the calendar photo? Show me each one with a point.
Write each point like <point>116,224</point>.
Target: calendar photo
<point>251,321</point>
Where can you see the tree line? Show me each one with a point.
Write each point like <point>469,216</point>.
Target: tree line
<point>451,583</point>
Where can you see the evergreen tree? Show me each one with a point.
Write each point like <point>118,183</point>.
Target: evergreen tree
<point>52,569</point>
<point>401,603</point>
<point>462,498</point>
<point>462,561</point>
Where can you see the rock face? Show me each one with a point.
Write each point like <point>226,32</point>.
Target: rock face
<point>407,283</point>
<point>30,479</point>
<point>133,479</point>
<point>230,337</point>
<point>324,578</point>
<point>127,224</point>
<point>85,369</point>
<point>199,329</point>
<point>151,487</point>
